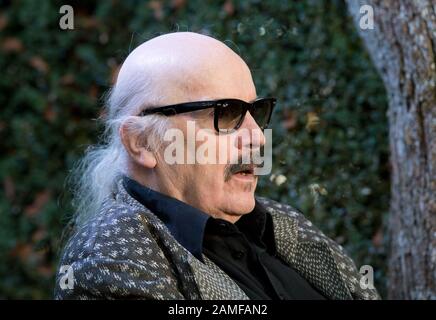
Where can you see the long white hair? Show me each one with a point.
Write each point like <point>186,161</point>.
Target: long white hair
<point>93,177</point>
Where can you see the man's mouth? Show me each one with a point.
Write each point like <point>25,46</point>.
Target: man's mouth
<point>243,171</point>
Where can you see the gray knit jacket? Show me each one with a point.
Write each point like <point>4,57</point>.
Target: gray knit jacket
<point>127,252</point>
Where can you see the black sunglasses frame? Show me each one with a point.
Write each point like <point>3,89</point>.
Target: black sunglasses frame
<point>218,106</point>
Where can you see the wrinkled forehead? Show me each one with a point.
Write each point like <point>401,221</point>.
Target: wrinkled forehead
<point>185,68</point>
<point>208,81</point>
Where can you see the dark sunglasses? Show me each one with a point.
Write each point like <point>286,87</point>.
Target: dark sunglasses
<point>229,114</point>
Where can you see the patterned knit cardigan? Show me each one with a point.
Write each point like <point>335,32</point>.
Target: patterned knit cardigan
<point>127,252</point>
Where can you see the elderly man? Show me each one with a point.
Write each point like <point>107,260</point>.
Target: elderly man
<point>150,229</point>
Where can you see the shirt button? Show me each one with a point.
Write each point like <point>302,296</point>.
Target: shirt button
<point>238,254</point>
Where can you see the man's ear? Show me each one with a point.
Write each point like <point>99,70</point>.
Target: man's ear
<point>138,150</point>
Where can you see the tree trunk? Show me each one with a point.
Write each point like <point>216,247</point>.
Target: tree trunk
<point>402,45</point>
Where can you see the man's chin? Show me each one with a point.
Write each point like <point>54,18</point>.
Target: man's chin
<point>241,205</point>
<point>242,186</point>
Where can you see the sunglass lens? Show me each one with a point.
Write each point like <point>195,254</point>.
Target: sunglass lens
<point>230,115</point>
<point>261,112</point>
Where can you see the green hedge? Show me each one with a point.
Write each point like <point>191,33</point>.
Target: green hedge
<point>330,126</point>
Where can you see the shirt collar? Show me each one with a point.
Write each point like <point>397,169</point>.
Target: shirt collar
<point>188,224</point>
<point>185,222</point>
<point>258,226</point>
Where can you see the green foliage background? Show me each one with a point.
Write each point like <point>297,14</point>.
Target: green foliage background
<point>330,126</point>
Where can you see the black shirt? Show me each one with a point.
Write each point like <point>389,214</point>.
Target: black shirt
<point>245,250</point>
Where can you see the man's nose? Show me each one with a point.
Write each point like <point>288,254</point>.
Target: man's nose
<point>250,135</point>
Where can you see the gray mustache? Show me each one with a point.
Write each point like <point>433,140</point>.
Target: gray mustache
<point>238,167</point>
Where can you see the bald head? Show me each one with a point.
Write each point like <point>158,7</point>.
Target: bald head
<point>185,66</point>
